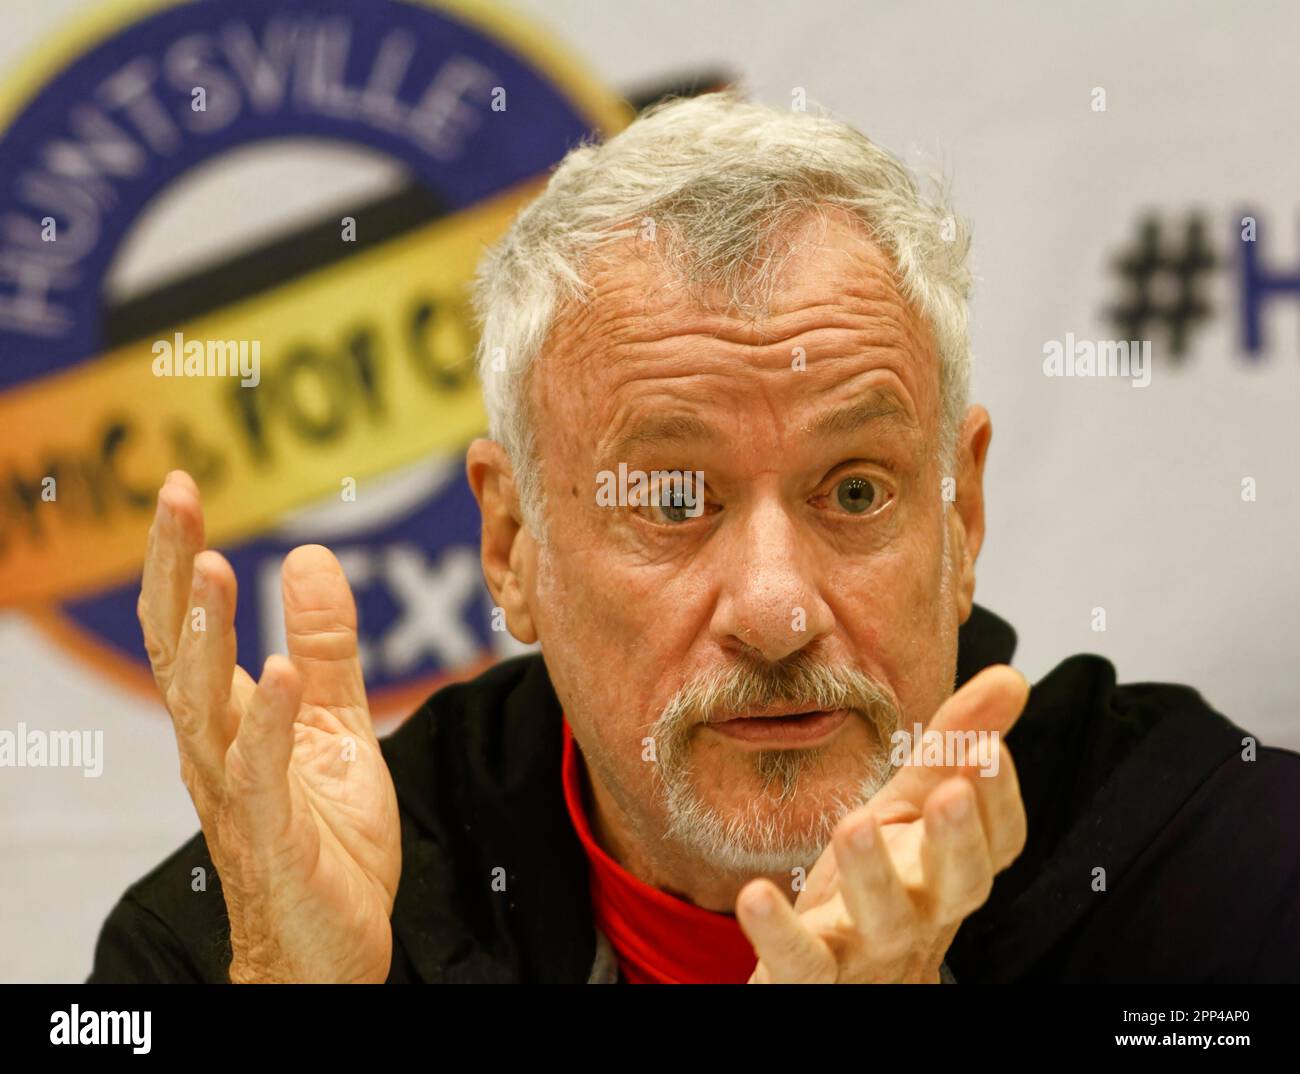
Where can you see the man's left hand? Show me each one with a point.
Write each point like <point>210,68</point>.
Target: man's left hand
<point>884,901</point>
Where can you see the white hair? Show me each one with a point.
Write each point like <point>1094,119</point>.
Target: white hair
<point>723,180</point>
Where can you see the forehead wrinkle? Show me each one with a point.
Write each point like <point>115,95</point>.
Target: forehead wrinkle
<point>823,340</point>
<point>882,322</point>
<point>674,428</point>
<point>663,415</point>
<point>637,317</point>
<point>663,307</point>
<point>827,344</point>
<point>889,320</point>
<point>876,406</point>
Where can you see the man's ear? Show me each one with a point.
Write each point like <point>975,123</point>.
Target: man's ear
<point>508,549</point>
<point>967,516</point>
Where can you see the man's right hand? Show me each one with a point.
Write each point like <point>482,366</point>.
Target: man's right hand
<point>295,800</point>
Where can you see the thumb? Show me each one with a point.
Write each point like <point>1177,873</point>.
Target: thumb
<point>320,623</point>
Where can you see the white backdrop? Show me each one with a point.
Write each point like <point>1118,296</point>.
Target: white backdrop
<point>1101,495</point>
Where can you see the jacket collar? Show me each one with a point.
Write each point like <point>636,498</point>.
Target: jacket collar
<point>983,639</point>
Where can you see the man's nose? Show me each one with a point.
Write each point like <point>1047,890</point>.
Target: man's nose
<point>769,602</point>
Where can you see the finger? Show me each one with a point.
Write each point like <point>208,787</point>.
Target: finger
<point>954,854</point>
<point>258,768</point>
<point>241,690</point>
<point>791,953</point>
<point>991,701</point>
<point>873,894</point>
<point>982,711</point>
<point>320,622</point>
<point>199,695</point>
<point>175,538</point>
<point>1002,810</point>
<point>821,882</point>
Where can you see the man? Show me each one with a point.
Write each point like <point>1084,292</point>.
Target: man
<point>734,489</point>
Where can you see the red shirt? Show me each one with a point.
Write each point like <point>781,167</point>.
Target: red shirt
<point>658,939</point>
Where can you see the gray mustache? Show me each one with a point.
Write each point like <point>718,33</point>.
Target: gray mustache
<point>800,681</point>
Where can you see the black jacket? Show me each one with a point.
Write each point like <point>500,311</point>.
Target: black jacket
<point>1200,847</point>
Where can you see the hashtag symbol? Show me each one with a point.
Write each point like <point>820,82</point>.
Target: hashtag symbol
<point>1162,284</point>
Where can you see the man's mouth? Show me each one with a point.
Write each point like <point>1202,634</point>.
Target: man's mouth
<point>781,728</point>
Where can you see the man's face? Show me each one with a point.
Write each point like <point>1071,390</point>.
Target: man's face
<point>823,574</point>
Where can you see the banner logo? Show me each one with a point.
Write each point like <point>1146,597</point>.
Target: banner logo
<point>318,384</point>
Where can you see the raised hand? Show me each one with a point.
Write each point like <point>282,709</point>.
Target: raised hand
<point>887,896</point>
<point>292,792</point>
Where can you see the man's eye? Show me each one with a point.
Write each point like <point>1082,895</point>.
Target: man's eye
<point>676,502</point>
<point>856,494</point>
<point>674,512</point>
